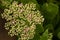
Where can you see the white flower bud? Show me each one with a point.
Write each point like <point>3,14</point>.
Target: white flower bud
<point>21,19</point>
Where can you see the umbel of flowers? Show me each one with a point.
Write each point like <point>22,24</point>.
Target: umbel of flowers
<point>22,19</point>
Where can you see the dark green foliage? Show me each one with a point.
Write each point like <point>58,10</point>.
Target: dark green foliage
<point>50,10</point>
<point>44,35</point>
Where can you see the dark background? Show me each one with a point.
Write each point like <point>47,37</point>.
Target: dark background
<point>4,33</point>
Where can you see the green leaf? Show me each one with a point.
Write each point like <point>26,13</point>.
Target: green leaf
<point>45,35</point>
<point>27,1</point>
<point>50,10</point>
<point>50,27</point>
<point>39,28</point>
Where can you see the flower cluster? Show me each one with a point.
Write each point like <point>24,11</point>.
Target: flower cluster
<point>28,33</point>
<point>5,3</point>
<point>21,20</point>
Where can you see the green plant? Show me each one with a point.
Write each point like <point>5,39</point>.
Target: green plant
<point>32,19</point>
<point>22,20</point>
